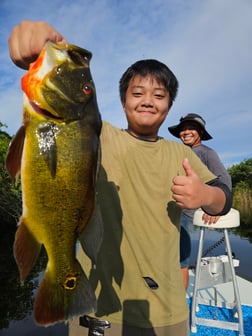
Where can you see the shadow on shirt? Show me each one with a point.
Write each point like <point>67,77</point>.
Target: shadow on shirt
<point>131,309</point>
<point>109,266</point>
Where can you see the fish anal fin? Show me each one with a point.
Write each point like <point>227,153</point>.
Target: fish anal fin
<point>14,154</point>
<point>26,249</point>
<point>57,302</point>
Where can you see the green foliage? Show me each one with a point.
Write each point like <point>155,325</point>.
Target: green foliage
<point>242,172</point>
<point>16,298</point>
<point>10,194</point>
<point>242,192</point>
<point>242,200</point>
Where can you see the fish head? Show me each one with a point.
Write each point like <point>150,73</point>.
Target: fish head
<point>59,84</point>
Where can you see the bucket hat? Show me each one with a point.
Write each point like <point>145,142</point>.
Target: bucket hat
<point>193,117</point>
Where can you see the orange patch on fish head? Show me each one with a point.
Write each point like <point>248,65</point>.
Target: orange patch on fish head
<point>31,81</point>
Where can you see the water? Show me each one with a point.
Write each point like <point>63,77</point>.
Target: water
<point>241,247</point>
<point>27,327</point>
<point>16,301</point>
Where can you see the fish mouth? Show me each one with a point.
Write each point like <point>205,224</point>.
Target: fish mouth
<point>44,112</point>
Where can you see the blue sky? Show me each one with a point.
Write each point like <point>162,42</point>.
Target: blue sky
<point>207,44</point>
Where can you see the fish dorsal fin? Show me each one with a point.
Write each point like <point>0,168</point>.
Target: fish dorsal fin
<point>14,154</point>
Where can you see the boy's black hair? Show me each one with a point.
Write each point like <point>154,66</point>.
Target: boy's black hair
<point>155,69</point>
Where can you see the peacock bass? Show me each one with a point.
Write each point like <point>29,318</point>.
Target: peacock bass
<point>56,150</point>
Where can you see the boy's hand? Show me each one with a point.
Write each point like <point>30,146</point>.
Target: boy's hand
<point>28,38</point>
<point>188,191</point>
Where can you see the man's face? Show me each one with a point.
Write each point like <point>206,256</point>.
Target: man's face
<point>146,106</point>
<point>190,134</point>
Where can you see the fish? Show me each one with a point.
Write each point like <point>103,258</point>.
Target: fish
<point>56,153</point>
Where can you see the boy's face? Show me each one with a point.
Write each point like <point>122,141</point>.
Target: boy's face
<point>146,106</point>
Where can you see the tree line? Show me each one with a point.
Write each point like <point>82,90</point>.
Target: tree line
<point>241,174</point>
<point>10,194</point>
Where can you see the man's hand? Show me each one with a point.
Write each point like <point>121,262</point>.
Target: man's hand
<point>28,38</point>
<point>208,219</point>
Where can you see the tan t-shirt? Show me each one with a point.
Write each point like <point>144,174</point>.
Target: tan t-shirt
<point>141,230</point>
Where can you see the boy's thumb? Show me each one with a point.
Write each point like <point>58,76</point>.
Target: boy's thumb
<point>187,167</point>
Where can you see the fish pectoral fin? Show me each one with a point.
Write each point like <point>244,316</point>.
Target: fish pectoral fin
<point>91,237</point>
<point>26,250</point>
<point>58,301</point>
<point>14,154</point>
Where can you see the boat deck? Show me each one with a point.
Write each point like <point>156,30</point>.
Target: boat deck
<point>224,293</point>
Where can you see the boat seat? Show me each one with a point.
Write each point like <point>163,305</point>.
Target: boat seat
<point>211,271</point>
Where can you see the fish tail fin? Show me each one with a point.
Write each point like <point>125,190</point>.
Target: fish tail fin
<point>61,299</point>
<point>26,249</point>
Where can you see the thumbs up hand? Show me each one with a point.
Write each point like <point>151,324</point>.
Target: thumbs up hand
<point>188,169</point>
<point>188,191</point>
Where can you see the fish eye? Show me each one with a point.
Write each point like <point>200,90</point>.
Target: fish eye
<point>58,69</point>
<point>87,89</point>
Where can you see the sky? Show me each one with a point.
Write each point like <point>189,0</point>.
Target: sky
<point>206,43</point>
